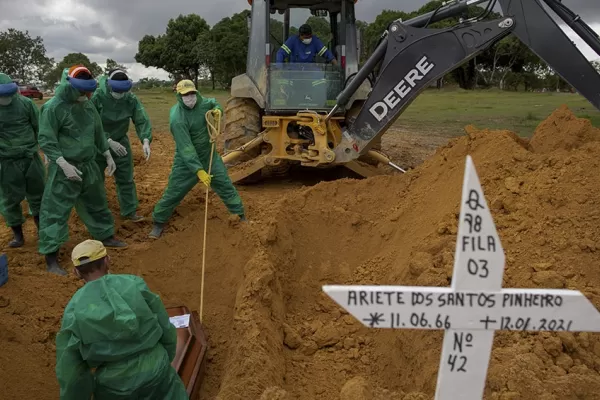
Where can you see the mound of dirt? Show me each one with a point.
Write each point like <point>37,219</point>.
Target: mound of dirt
<point>563,130</point>
<point>401,230</point>
<point>274,335</point>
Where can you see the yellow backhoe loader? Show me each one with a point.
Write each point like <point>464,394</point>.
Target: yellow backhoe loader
<point>315,114</point>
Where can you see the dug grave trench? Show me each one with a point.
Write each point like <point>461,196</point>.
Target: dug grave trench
<point>273,332</point>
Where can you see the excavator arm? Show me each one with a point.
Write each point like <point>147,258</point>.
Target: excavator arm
<point>412,57</point>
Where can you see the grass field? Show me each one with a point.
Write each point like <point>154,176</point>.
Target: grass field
<point>516,111</point>
<point>445,112</point>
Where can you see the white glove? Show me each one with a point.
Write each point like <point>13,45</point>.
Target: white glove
<point>118,148</point>
<point>146,147</point>
<point>111,167</point>
<point>72,173</point>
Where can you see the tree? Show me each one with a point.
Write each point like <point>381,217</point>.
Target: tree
<point>175,51</point>
<point>230,37</point>
<point>464,75</point>
<point>54,75</point>
<point>206,52</point>
<point>321,28</point>
<point>23,57</point>
<point>276,32</point>
<point>361,28</point>
<point>112,64</point>
<point>151,83</point>
<point>373,31</point>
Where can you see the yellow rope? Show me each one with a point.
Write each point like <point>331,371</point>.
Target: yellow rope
<point>213,131</point>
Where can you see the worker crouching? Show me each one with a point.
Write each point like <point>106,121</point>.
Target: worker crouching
<point>188,126</point>
<point>117,326</point>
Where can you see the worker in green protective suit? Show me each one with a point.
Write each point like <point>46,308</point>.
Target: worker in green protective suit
<point>117,106</point>
<point>115,324</point>
<point>71,136</point>
<point>22,172</point>
<point>187,121</point>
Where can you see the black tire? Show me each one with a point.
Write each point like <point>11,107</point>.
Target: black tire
<point>242,124</point>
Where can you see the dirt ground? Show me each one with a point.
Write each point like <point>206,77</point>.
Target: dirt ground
<point>273,334</point>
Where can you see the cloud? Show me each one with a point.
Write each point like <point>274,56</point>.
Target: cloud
<point>104,29</point>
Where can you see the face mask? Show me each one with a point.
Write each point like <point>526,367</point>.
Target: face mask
<point>4,101</point>
<point>117,96</point>
<point>189,101</point>
<point>83,98</point>
<point>307,41</point>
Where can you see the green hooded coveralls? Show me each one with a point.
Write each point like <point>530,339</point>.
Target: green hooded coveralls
<point>192,141</point>
<point>115,115</point>
<point>118,326</point>
<point>22,172</point>
<point>72,130</point>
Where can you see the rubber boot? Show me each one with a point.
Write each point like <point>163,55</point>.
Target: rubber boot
<point>53,266</point>
<point>134,218</point>
<point>157,230</point>
<point>243,218</point>
<point>18,239</point>
<point>112,242</point>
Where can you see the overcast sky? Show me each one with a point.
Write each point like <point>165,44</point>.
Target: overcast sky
<point>112,28</point>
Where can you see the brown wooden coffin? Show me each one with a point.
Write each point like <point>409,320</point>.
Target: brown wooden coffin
<point>190,360</point>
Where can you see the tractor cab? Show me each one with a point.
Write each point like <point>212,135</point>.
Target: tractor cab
<point>275,115</point>
<point>288,85</point>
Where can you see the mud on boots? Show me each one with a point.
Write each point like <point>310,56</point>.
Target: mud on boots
<point>187,121</point>
<point>71,135</point>
<point>18,239</point>
<point>22,171</point>
<point>52,264</point>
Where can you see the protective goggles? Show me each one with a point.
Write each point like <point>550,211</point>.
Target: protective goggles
<point>8,89</point>
<point>83,85</point>
<point>120,86</point>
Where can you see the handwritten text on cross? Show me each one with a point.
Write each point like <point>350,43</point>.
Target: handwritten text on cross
<point>473,307</point>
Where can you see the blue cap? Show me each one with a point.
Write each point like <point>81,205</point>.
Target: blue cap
<point>8,89</point>
<point>120,86</point>
<point>84,85</point>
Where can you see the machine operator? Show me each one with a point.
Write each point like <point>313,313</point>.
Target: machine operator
<point>304,48</point>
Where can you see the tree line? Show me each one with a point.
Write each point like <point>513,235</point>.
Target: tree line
<point>24,59</point>
<point>190,48</point>
<point>507,65</point>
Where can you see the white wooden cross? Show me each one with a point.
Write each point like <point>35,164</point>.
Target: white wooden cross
<point>474,307</point>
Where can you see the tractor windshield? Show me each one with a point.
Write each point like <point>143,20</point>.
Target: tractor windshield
<point>300,76</point>
<point>302,85</point>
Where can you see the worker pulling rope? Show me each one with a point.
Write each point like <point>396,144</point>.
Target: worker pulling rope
<point>213,120</point>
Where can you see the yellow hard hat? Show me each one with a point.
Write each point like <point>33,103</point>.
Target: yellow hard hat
<point>186,86</point>
<point>90,250</point>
